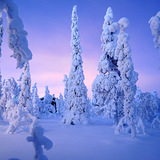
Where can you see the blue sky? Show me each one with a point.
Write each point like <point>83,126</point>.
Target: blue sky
<point>48,25</point>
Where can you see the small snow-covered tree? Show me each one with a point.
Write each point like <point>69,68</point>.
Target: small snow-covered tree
<point>128,79</point>
<point>47,97</point>
<point>107,94</point>
<point>155,28</point>
<point>11,110</point>
<point>60,105</point>
<point>6,96</point>
<point>18,118</point>
<point>35,101</point>
<point>156,122</point>
<point>47,103</point>
<point>10,91</point>
<point>17,35</point>
<point>25,99</point>
<point>146,106</point>
<point>13,88</point>
<point>65,91</point>
<point>77,92</point>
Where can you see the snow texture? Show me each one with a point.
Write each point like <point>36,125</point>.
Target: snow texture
<point>155,28</point>
<point>77,92</point>
<point>81,142</point>
<point>17,35</point>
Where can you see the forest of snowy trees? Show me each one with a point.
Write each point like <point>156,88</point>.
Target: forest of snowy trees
<point>115,93</point>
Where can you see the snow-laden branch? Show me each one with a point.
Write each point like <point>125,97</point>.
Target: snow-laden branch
<point>17,40</point>
<point>155,28</point>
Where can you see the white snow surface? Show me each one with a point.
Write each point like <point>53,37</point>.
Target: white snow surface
<point>87,142</point>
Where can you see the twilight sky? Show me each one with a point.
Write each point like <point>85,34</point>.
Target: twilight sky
<point>48,25</point>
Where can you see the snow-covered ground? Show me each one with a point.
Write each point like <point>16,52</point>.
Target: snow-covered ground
<point>96,141</point>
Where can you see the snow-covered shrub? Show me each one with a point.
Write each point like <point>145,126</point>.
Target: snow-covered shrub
<point>11,111</point>
<point>39,140</point>
<point>107,95</point>
<point>156,122</point>
<point>155,28</point>
<point>77,91</point>
<point>17,35</point>
<point>25,99</point>
<point>9,91</point>
<point>128,79</point>
<point>146,106</point>
<point>19,118</point>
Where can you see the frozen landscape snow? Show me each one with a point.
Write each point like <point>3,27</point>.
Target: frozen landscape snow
<point>87,142</point>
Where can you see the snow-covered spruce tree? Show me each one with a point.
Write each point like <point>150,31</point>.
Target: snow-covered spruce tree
<point>48,107</point>
<point>107,94</point>
<point>35,101</point>
<point>60,105</point>
<point>128,80</point>
<point>77,91</point>
<point>47,97</point>
<point>25,99</point>
<point>17,35</point>
<point>155,28</point>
